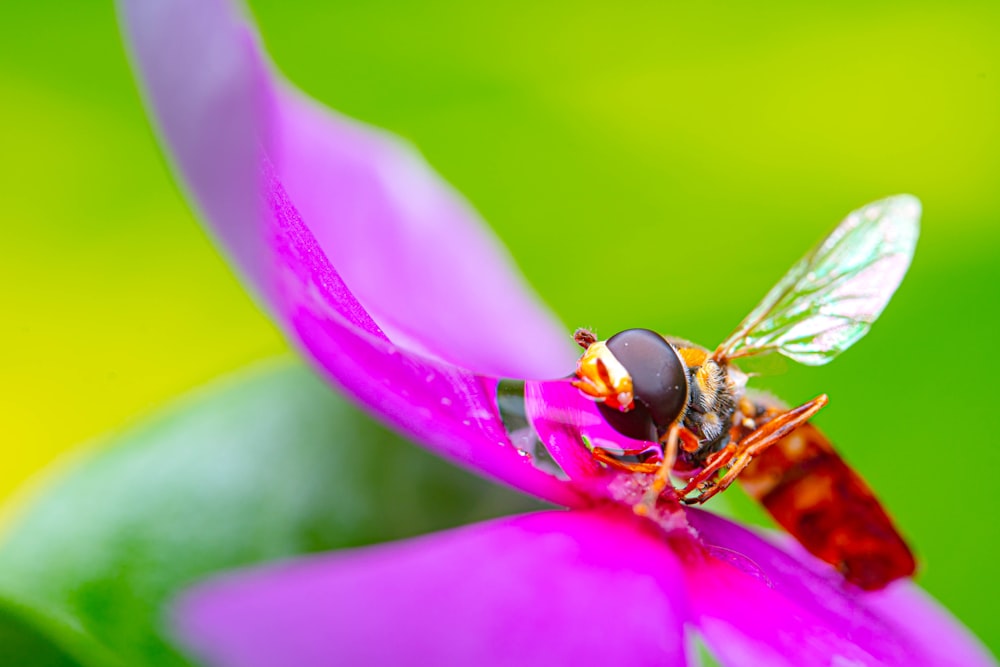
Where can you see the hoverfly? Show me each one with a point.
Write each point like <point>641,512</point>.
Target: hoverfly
<point>694,401</point>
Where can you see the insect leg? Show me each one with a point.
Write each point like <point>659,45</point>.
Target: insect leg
<point>606,457</point>
<point>716,462</point>
<point>661,481</point>
<point>752,445</point>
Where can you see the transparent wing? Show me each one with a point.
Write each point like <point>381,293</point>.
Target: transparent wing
<point>831,297</point>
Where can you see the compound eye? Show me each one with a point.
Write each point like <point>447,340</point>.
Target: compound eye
<point>659,380</point>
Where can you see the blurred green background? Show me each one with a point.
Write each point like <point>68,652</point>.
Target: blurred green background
<point>708,146</point>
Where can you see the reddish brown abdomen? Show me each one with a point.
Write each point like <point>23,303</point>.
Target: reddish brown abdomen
<point>828,508</point>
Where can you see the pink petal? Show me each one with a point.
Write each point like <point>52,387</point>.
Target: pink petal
<point>560,416</point>
<point>451,410</point>
<point>569,425</point>
<point>443,280</point>
<point>204,82</point>
<point>224,117</point>
<point>785,610</point>
<point>934,633</point>
<point>555,588</point>
<point>410,247</point>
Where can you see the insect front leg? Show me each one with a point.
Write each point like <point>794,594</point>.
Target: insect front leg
<point>661,480</point>
<point>611,460</point>
<point>737,456</point>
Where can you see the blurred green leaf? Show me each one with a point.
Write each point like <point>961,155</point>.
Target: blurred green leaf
<point>22,645</point>
<point>270,465</point>
<point>31,638</point>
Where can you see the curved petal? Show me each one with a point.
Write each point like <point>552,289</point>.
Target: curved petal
<point>933,632</point>
<point>450,409</point>
<point>205,84</point>
<point>223,117</point>
<point>560,417</point>
<point>779,609</point>
<point>555,588</point>
<point>570,426</point>
<point>408,245</point>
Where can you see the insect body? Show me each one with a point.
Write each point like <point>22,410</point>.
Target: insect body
<point>695,402</point>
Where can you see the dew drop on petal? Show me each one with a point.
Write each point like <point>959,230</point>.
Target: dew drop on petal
<point>740,562</point>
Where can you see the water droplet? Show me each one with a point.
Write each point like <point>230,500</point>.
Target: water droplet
<point>740,562</point>
<point>445,401</point>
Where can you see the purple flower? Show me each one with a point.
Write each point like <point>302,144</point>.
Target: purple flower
<point>385,279</point>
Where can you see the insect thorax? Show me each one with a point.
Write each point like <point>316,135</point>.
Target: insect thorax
<point>711,402</point>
